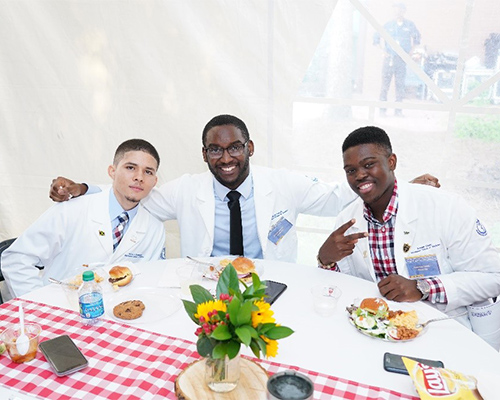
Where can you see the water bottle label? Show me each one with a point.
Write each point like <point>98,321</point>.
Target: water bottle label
<point>91,305</point>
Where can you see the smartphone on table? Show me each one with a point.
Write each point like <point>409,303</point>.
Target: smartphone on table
<point>63,355</point>
<point>394,363</point>
<point>274,290</point>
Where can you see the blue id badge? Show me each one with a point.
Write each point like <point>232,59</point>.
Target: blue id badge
<point>278,230</point>
<point>422,266</point>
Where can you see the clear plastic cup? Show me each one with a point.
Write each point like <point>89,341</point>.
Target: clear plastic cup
<point>72,296</point>
<point>188,274</point>
<point>10,335</point>
<point>325,299</point>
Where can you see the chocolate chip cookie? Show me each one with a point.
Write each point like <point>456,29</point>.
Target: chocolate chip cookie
<point>130,309</point>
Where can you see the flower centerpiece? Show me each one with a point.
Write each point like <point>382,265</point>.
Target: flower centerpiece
<point>229,320</point>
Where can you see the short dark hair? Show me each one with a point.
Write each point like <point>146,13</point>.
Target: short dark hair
<point>136,145</point>
<point>368,135</point>
<point>225,119</point>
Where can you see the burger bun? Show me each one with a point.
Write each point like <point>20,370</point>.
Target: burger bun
<point>120,275</point>
<point>374,305</point>
<point>243,265</point>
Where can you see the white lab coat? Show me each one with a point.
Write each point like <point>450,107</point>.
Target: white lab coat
<point>277,193</point>
<point>433,221</point>
<point>74,233</point>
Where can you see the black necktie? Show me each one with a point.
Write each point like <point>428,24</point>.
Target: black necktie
<point>235,229</point>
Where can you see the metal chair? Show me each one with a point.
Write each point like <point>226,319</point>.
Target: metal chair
<point>3,246</point>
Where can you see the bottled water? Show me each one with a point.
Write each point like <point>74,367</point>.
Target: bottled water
<point>90,300</point>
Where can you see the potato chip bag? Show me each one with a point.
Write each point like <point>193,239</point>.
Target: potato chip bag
<point>441,383</point>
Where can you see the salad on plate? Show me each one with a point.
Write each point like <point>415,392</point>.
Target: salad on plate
<point>374,318</point>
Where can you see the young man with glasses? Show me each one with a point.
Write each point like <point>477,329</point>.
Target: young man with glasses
<point>270,199</point>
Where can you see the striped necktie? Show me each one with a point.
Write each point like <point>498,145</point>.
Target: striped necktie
<point>118,231</point>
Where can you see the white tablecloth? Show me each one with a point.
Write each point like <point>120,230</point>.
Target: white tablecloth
<point>330,345</point>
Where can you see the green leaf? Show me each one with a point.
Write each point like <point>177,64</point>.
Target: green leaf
<point>200,294</point>
<point>262,345</point>
<point>231,348</point>
<point>191,309</point>
<point>279,332</point>
<point>221,333</point>
<point>220,350</point>
<point>249,292</point>
<point>245,314</point>
<point>228,280</point>
<point>263,328</point>
<point>255,280</point>
<point>243,283</point>
<point>237,294</point>
<point>253,333</point>
<point>204,346</point>
<point>256,296</point>
<point>233,310</point>
<point>244,335</point>
<point>255,292</point>
<point>255,348</point>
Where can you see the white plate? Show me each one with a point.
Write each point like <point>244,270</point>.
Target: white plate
<point>160,303</point>
<point>387,338</point>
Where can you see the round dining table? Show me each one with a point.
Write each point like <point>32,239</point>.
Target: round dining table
<point>330,345</point>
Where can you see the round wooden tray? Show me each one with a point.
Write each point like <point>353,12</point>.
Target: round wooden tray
<point>190,384</point>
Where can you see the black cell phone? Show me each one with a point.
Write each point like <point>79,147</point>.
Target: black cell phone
<point>63,355</point>
<point>274,290</point>
<point>394,363</point>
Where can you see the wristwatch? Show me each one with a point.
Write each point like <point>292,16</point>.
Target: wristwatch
<point>424,288</point>
<point>332,265</point>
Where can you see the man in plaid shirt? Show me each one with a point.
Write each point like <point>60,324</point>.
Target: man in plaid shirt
<point>417,242</point>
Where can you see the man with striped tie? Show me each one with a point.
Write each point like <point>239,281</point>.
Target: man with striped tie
<point>107,228</point>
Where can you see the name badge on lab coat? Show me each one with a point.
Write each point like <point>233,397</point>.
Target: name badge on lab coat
<point>422,266</point>
<point>279,230</point>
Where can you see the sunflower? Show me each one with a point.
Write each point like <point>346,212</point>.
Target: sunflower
<point>271,347</point>
<point>204,308</point>
<point>264,315</point>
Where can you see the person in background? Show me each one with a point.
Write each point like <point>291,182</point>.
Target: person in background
<point>270,199</point>
<point>416,242</point>
<point>406,34</point>
<point>109,227</point>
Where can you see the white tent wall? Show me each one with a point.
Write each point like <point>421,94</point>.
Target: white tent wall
<point>79,77</point>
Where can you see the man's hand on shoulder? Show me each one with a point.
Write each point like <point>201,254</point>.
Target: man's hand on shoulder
<point>63,189</point>
<point>398,288</point>
<point>426,179</point>
<point>338,245</point>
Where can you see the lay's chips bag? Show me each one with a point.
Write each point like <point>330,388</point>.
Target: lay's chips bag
<point>441,383</point>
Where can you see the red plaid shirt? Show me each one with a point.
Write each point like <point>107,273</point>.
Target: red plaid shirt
<point>381,237</point>
<point>381,242</point>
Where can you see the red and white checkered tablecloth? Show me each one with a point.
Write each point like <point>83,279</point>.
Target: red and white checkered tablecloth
<point>126,362</point>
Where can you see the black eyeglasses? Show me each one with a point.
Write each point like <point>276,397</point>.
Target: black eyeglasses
<point>235,150</point>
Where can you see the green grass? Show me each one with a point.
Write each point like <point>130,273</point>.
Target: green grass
<point>481,127</point>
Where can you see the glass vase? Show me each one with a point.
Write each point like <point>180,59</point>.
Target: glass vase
<point>222,374</point>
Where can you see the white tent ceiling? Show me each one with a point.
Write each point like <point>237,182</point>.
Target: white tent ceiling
<point>79,77</point>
